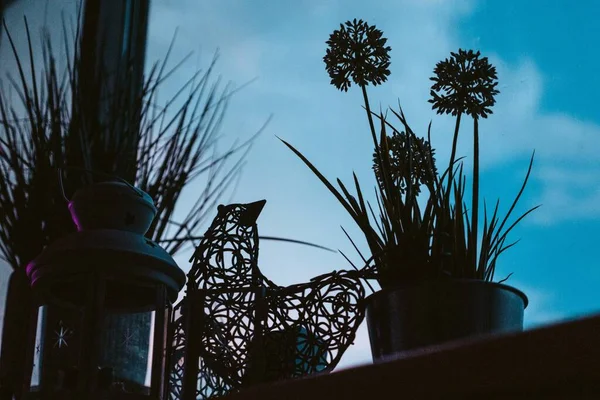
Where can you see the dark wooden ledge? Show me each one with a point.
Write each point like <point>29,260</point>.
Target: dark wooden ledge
<point>559,361</point>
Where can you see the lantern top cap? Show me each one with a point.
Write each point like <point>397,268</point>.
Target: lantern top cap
<point>112,205</point>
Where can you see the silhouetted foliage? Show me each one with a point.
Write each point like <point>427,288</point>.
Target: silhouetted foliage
<point>357,50</point>
<point>438,240</point>
<point>50,130</point>
<point>464,83</point>
<point>405,164</point>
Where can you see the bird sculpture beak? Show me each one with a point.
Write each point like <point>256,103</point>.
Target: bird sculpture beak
<point>253,210</point>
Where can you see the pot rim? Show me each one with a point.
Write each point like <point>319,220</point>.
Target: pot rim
<point>516,291</point>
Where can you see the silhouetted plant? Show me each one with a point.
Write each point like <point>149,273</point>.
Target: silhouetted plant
<point>45,132</point>
<point>406,162</point>
<point>466,83</point>
<point>357,50</point>
<point>408,242</point>
<point>401,231</point>
<point>453,231</point>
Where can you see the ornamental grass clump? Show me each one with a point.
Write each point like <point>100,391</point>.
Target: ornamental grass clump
<point>409,242</point>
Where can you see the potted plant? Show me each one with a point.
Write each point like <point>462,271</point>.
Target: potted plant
<point>42,132</point>
<point>435,272</point>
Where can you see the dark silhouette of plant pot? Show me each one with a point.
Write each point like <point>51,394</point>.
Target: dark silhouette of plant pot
<point>427,314</point>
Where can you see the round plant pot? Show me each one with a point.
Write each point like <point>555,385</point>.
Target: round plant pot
<point>432,313</point>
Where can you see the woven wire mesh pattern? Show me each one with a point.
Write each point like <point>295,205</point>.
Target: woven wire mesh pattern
<point>253,330</point>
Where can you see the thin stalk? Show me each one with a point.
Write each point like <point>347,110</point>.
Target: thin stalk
<point>475,199</point>
<point>382,159</point>
<point>190,237</point>
<point>453,153</point>
<point>371,124</point>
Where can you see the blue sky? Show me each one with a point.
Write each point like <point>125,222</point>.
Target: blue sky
<point>546,56</point>
<point>544,52</point>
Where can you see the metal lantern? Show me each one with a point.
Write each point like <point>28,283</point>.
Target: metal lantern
<point>106,274</point>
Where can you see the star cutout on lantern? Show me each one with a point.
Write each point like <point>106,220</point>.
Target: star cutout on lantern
<point>37,349</point>
<point>128,337</point>
<point>61,336</point>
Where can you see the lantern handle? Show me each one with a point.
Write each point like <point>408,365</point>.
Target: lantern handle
<point>62,187</point>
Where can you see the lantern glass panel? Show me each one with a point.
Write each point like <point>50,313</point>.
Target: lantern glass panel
<point>37,351</point>
<point>56,348</point>
<point>126,347</point>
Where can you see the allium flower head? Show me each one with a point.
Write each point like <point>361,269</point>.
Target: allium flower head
<point>357,50</point>
<point>416,165</point>
<point>464,83</point>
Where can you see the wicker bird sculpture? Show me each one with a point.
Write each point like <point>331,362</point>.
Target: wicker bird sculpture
<point>235,328</point>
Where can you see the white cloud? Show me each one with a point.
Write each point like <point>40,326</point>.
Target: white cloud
<point>569,193</point>
<point>542,309</point>
<point>567,164</point>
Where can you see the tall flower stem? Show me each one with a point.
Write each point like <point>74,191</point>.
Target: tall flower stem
<point>453,154</point>
<point>383,165</point>
<point>475,200</point>
<point>371,123</point>
<point>446,199</point>
<point>465,83</point>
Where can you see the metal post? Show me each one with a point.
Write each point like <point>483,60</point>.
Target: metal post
<point>158,355</point>
<point>113,51</point>
<point>110,79</point>
<point>168,353</point>
<point>194,321</point>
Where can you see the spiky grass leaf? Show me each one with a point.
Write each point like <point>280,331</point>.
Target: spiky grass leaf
<point>48,130</point>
